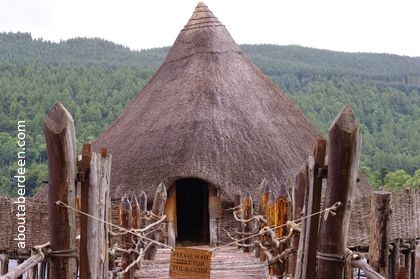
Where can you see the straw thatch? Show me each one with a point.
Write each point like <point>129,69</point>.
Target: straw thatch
<point>208,113</point>
<point>404,221</point>
<point>36,224</point>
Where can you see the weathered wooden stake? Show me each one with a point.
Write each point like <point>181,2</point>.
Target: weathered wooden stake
<point>237,203</point>
<point>315,177</point>
<point>379,232</point>
<point>170,212</point>
<point>143,208</point>
<point>135,216</point>
<point>301,193</point>
<point>4,264</point>
<point>126,239</point>
<point>262,210</point>
<point>247,205</point>
<point>280,218</point>
<point>215,213</point>
<point>158,209</point>
<point>61,148</point>
<point>344,153</point>
<point>84,193</point>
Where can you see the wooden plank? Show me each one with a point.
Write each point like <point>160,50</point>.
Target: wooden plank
<point>103,212</point>
<point>84,195</point>
<point>190,263</point>
<point>343,164</point>
<point>379,231</point>
<point>61,148</point>
<point>158,209</point>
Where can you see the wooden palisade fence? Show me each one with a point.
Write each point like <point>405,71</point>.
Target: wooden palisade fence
<point>292,236</point>
<point>94,257</point>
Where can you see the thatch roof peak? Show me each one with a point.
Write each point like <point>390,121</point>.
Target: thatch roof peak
<point>202,34</point>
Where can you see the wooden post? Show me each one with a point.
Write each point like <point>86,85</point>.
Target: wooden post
<point>84,194</point>
<point>126,239</point>
<point>61,148</point>
<point>396,259</point>
<point>270,222</point>
<point>143,208</point>
<point>416,273</point>
<point>280,218</point>
<point>4,264</point>
<point>262,210</point>
<point>170,212</point>
<point>315,177</point>
<point>344,153</point>
<point>135,216</point>
<point>408,261</point>
<point>215,213</point>
<point>158,210</point>
<point>247,205</point>
<point>301,193</point>
<point>379,231</point>
<point>237,204</point>
<point>298,196</point>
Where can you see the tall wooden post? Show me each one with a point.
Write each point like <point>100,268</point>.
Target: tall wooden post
<point>170,212</point>
<point>135,216</point>
<point>301,193</point>
<point>344,153</point>
<point>158,209</point>
<point>315,177</point>
<point>262,210</point>
<point>84,193</point>
<point>379,232</point>
<point>61,148</point>
<point>143,208</point>
<point>215,213</point>
<point>280,218</point>
<point>126,239</point>
<point>237,203</point>
<point>247,205</point>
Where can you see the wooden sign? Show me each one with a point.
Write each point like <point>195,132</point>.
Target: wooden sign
<point>190,263</point>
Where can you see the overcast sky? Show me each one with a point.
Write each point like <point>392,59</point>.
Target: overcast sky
<point>354,25</point>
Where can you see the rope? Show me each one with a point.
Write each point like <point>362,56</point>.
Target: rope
<point>330,257</point>
<point>330,210</point>
<point>60,203</point>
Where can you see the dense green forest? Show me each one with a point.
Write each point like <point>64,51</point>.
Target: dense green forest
<point>95,79</point>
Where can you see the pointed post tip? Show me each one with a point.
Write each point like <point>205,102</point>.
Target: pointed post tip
<point>345,120</point>
<point>58,118</point>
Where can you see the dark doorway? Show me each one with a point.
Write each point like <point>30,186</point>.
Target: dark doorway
<point>192,207</point>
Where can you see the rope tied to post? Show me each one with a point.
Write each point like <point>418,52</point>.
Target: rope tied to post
<point>60,203</point>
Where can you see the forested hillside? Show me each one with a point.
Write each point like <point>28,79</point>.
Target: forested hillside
<point>95,79</point>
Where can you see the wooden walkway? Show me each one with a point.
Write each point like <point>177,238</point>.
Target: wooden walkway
<point>228,262</point>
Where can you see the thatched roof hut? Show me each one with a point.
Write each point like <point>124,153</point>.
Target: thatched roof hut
<point>207,113</point>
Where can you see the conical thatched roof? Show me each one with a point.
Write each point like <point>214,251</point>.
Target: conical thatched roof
<point>208,113</point>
